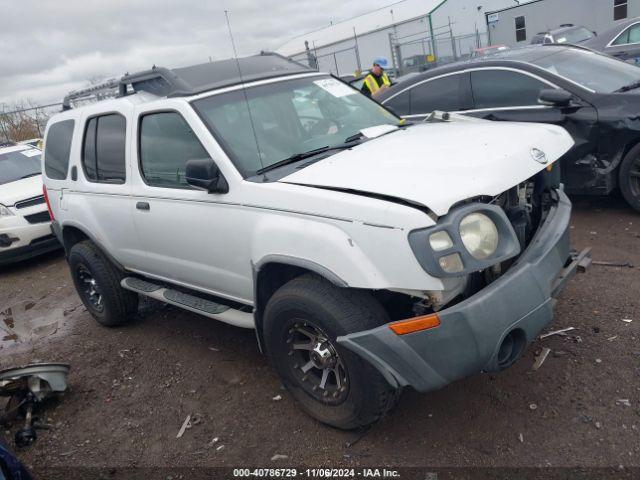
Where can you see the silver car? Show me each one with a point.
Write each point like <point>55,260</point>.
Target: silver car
<point>621,41</point>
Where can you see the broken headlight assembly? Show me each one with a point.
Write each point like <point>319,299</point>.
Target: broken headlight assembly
<point>469,238</point>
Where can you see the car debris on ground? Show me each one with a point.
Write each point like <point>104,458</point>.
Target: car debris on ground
<point>28,388</point>
<point>541,358</point>
<point>562,331</point>
<point>184,426</point>
<point>612,264</point>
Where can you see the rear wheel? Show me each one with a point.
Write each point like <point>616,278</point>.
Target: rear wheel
<point>629,177</point>
<point>301,323</point>
<point>97,282</point>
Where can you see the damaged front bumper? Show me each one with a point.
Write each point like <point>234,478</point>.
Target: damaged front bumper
<point>487,331</point>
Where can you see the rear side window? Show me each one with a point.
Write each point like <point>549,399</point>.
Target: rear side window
<point>166,143</point>
<point>504,88</point>
<point>103,150</point>
<point>440,94</point>
<point>57,149</point>
<point>630,35</point>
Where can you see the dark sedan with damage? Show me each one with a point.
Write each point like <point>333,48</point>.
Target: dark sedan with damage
<point>596,98</point>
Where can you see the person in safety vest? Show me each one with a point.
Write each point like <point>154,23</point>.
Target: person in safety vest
<point>377,81</point>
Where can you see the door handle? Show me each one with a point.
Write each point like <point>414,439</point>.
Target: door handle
<point>143,206</point>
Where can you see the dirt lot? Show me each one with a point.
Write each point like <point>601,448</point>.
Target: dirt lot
<point>132,388</point>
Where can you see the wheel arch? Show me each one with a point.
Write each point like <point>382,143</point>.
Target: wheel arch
<point>272,272</point>
<point>627,147</point>
<point>73,234</point>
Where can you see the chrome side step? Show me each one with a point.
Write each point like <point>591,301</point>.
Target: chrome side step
<point>189,302</point>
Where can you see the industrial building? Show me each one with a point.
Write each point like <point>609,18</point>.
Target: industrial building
<point>406,32</point>
<point>515,25</point>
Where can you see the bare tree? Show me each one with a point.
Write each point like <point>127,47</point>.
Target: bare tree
<point>22,120</point>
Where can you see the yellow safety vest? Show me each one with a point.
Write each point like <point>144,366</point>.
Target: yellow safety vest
<point>371,82</point>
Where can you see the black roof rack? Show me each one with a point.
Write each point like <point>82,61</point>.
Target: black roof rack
<point>181,82</point>
<point>102,91</point>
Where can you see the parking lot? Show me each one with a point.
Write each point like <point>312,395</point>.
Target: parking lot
<point>132,388</point>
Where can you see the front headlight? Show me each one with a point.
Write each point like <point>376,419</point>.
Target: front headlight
<point>5,212</point>
<point>479,235</point>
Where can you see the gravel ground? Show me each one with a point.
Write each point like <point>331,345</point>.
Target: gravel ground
<point>132,388</point>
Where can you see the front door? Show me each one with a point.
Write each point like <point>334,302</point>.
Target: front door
<point>191,237</point>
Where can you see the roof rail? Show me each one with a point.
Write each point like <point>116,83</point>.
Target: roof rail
<point>107,89</point>
<point>7,144</point>
<point>181,82</point>
<point>195,79</point>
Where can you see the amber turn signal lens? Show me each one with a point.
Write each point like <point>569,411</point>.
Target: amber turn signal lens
<point>415,324</point>
<point>549,167</point>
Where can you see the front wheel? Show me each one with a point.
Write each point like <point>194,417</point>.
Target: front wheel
<point>301,323</point>
<point>629,177</point>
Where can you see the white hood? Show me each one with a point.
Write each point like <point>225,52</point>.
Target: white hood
<point>13,192</point>
<point>439,164</point>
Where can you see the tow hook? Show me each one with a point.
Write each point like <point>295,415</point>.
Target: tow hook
<point>579,263</point>
<point>583,258</point>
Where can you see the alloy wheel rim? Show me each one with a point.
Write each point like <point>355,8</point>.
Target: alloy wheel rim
<point>90,288</point>
<point>316,363</point>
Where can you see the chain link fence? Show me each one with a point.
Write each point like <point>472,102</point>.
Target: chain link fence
<point>413,52</point>
<point>22,122</point>
<point>426,51</point>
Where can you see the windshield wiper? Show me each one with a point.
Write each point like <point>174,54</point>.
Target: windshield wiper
<point>31,175</point>
<point>349,142</point>
<point>626,88</point>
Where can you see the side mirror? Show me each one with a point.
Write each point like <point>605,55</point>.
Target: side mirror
<point>203,173</point>
<point>555,97</point>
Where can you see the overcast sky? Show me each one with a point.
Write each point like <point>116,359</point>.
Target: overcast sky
<point>48,48</point>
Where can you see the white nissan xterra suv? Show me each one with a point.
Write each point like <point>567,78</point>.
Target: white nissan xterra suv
<point>367,253</point>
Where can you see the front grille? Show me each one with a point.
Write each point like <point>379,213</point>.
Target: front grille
<point>40,217</point>
<point>30,202</point>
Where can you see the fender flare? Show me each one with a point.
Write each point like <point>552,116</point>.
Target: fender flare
<point>298,262</point>
<point>92,238</point>
<point>291,261</point>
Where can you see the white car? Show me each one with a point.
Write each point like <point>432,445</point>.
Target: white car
<point>25,224</point>
<point>369,254</point>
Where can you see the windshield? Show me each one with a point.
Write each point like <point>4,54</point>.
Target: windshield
<point>597,72</point>
<point>19,164</point>
<point>575,35</point>
<point>287,118</point>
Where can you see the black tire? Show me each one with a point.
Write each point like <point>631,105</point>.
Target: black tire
<point>629,177</point>
<point>115,305</point>
<point>310,302</point>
